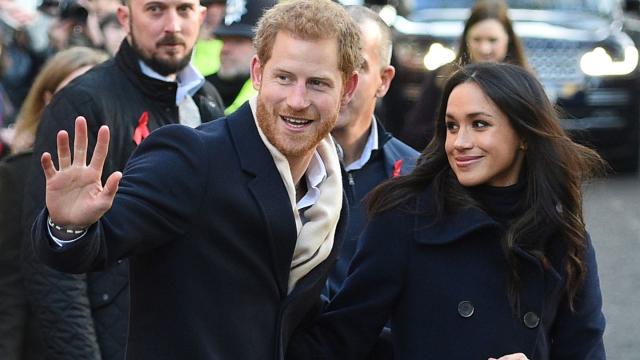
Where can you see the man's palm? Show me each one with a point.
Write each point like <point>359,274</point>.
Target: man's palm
<point>74,193</point>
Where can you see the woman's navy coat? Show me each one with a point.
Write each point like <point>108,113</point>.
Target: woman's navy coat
<point>444,285</point>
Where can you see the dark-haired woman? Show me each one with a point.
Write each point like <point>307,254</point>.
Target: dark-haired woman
<point>481,251</point>
<point>488,36</point>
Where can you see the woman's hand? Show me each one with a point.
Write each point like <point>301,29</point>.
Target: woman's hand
<point>517,356</point>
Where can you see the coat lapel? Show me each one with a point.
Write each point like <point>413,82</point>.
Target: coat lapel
<point>269,192</point>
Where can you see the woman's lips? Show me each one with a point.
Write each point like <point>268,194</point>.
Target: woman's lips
<point>467,160</point>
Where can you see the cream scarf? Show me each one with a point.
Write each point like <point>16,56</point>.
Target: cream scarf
<point>315,236</point>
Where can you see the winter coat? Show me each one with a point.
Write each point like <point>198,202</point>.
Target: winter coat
<point>444,285</point>
<point>210,241</point>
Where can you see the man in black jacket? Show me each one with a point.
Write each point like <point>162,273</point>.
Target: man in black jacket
<point>230,228</point>
<point>150,83</point>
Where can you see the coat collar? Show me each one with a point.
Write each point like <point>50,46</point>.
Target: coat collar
<point>268,190</point>
<point>162,91</point>
<point>467,221</point>
<point>453,227</point>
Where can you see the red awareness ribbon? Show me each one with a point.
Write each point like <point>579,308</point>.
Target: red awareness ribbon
<point>142,130</point>
<point>396,168</point>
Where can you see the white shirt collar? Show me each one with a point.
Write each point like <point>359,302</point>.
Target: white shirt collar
<point>315,175</point>
<point>189,80</point>
<point>369,148</point>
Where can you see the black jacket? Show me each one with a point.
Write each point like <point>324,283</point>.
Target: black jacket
<point>19,336</point>
<point>210,240</point>
<point>86,316</point>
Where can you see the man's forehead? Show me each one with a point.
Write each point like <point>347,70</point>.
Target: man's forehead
<point>167,2</point>
<point>299,59</point>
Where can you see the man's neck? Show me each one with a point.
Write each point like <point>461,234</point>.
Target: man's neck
<point>298,166</point>
<point>352,140</point>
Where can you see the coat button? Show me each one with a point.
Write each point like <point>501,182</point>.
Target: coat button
<point>531,320</point>
<point>105,297</point>
<point>465,309</point>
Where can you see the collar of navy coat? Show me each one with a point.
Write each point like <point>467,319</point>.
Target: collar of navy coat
<point>469,220</point>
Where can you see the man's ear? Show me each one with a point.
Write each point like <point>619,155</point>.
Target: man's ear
<point>123,18</point>
<point>202,15</point>
<point>386,76</point>
<point>256,72</point>
<point>349,88</point>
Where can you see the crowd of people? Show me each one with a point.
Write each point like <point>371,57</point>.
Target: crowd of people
<point>210,180</point>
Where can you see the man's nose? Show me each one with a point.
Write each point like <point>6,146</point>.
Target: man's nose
<point>172,22</point>
<point>298,98</point>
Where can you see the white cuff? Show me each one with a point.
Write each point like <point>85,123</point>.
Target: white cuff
<point>62,243</point>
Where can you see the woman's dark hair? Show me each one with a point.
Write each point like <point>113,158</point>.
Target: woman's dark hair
<point>497,10</point>
<point>553,170</point>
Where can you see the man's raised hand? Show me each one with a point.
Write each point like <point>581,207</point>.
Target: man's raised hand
<point>74,192</point>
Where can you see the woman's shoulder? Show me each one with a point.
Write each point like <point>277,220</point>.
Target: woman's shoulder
<point>408,211</point>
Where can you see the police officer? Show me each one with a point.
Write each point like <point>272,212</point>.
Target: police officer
<point>233,78</point>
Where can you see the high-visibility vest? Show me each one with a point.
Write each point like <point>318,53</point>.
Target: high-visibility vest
<point>206,56</point>
<point>246,92</point>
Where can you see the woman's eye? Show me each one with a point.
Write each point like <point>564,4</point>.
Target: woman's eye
<point>480,124</point>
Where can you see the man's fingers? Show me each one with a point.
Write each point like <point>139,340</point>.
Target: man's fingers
<point>64,152</point>
<point>47,165</point>
<point>101,149</point>
<point>80,143</point>
<point>111,186</point>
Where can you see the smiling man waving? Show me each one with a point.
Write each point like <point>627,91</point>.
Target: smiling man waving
<point>231,228</point>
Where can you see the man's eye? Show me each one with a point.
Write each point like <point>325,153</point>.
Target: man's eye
<point>184,8</point>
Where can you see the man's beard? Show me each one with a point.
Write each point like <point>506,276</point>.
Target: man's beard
<point>289,146</point>
<point>162,67</point>
<point>233,72</point>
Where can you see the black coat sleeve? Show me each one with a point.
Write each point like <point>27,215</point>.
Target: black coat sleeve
<point>159,196</point>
